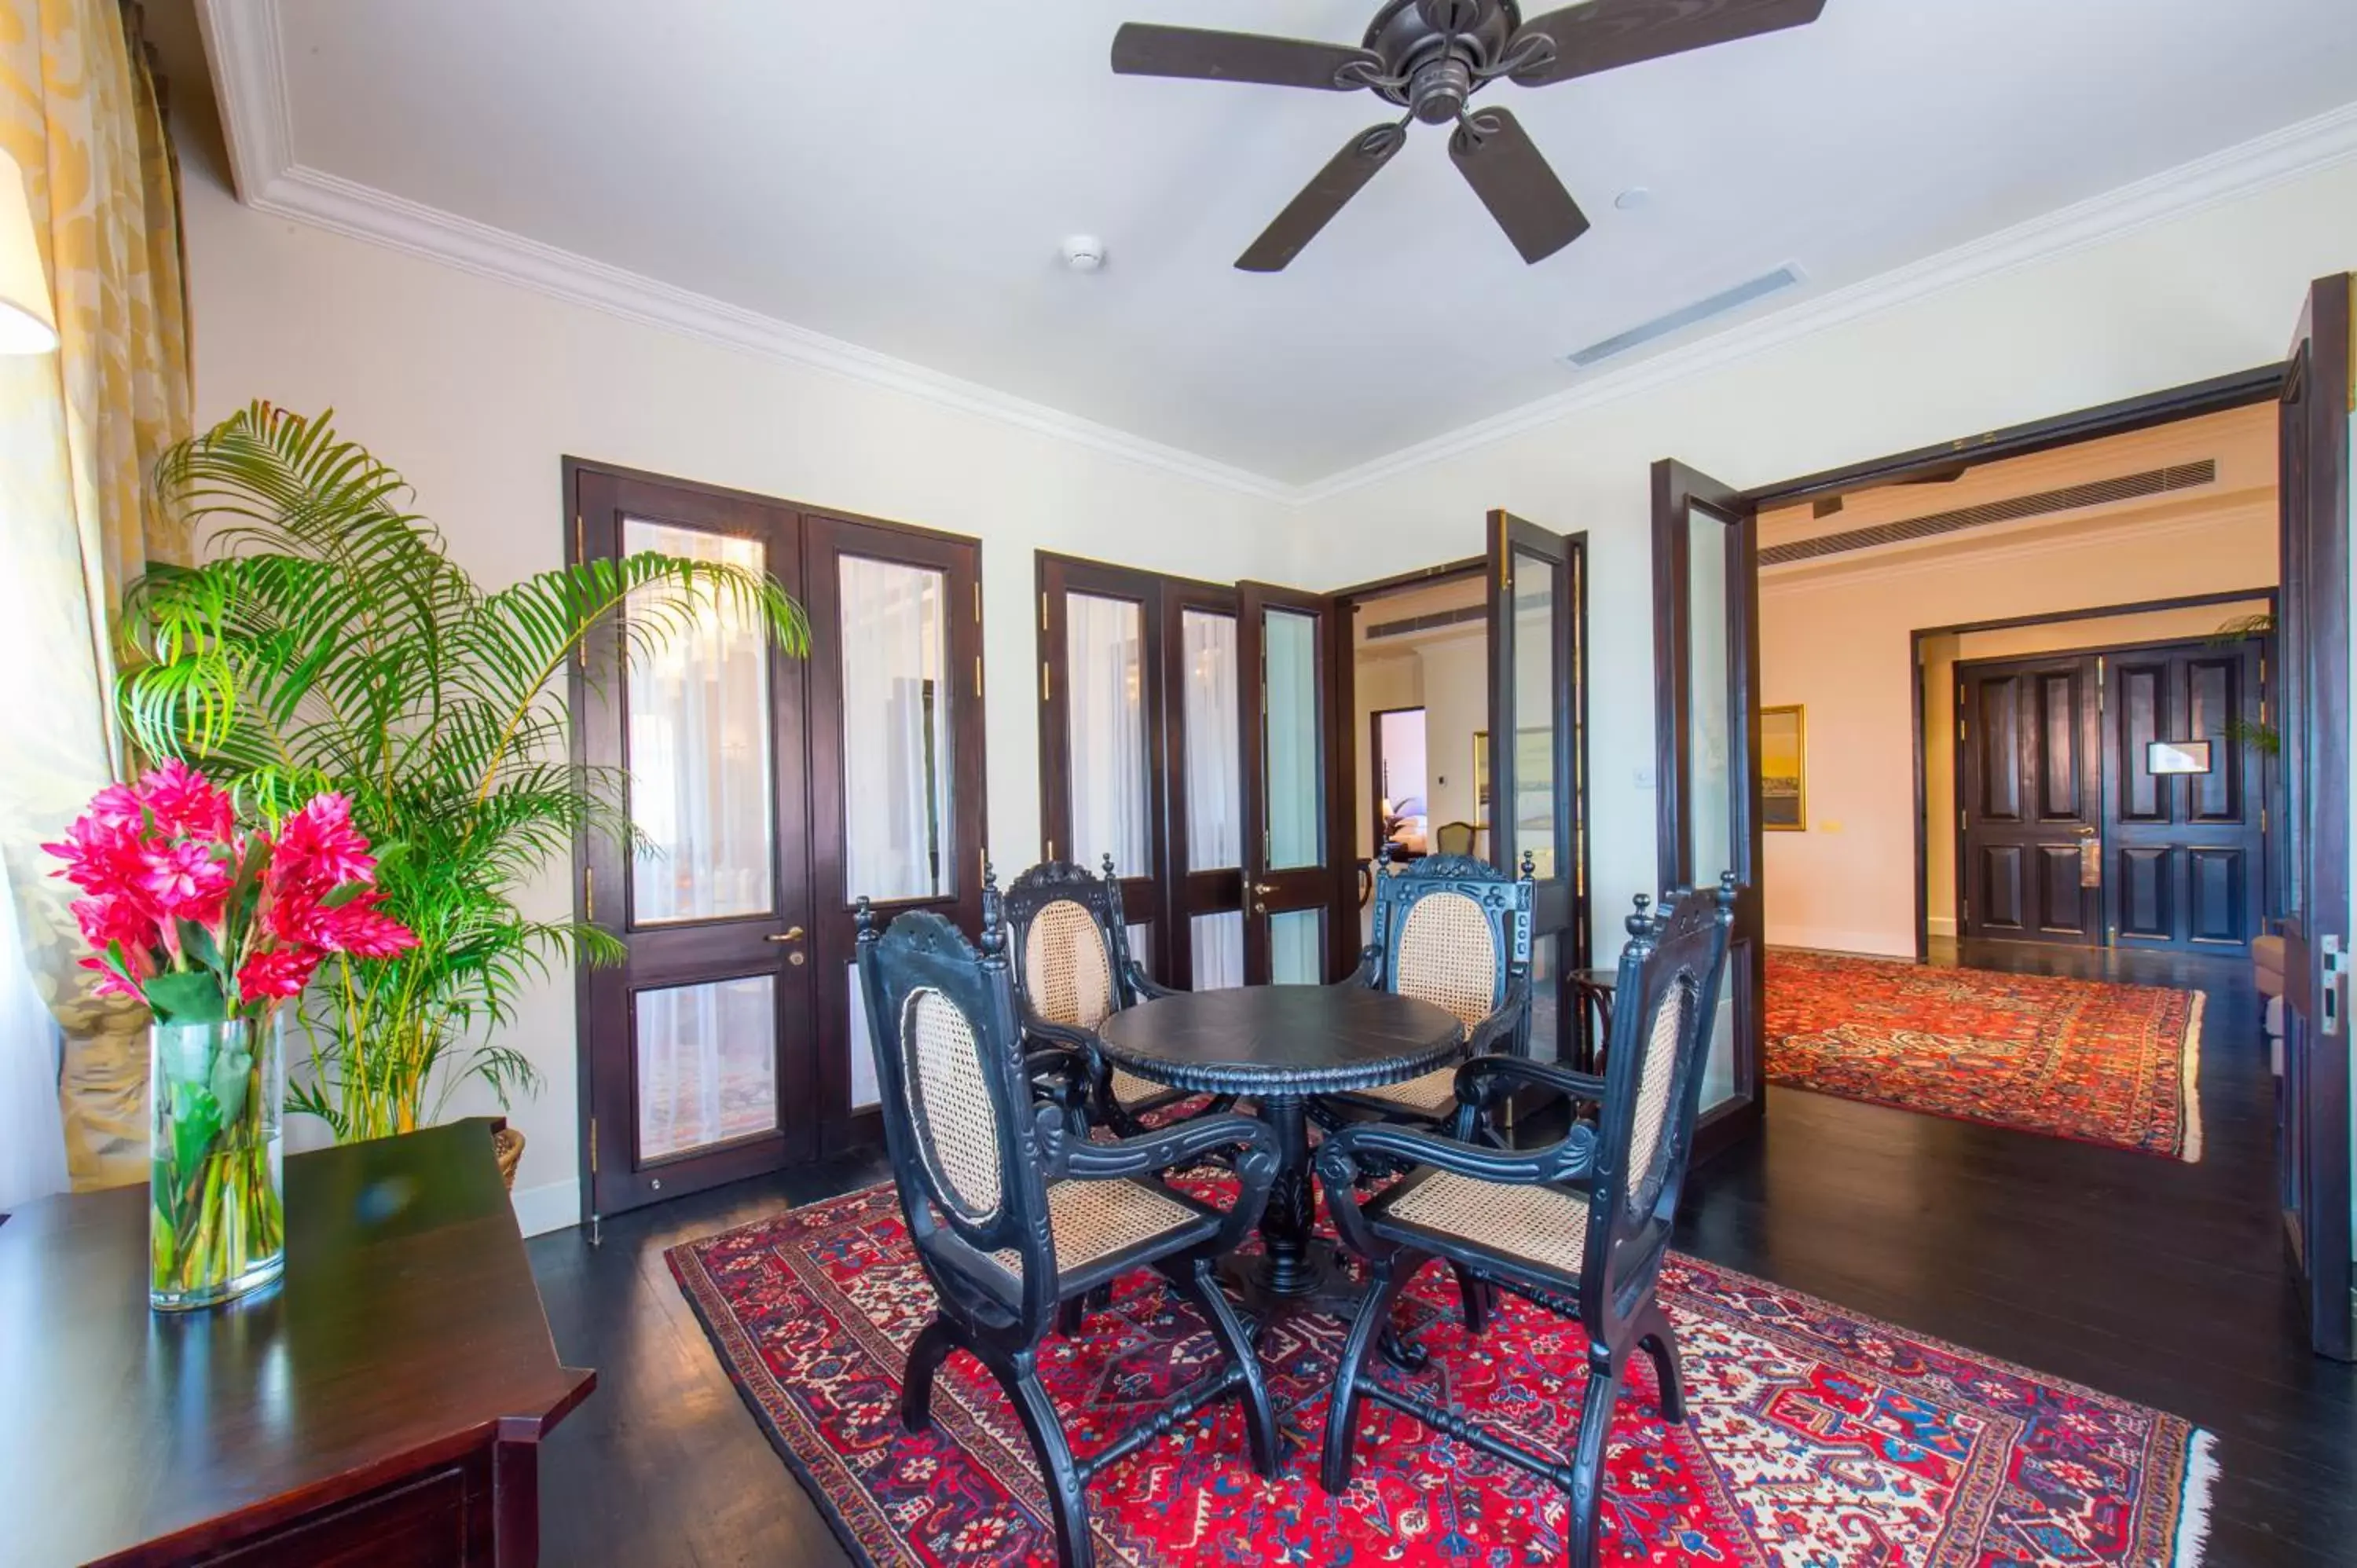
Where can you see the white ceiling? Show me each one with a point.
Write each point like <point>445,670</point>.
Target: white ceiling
<point>899,176</point>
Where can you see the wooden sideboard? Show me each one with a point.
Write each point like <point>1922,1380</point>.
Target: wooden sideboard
<point>382,1404</point>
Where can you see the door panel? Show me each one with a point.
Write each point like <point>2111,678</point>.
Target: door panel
<point>2172,832</point>
<point>1537,588</point>
<point>700,1051</point>
<point>1706,729</point>
<point>2313,1136</point>
<point>2032,800</point>
<point>1285,701</point>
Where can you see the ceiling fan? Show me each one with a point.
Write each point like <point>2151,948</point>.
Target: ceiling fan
<point>1430,57</point>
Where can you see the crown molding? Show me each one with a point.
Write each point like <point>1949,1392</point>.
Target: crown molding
<point>243,45</point>
<point>2241,170</point>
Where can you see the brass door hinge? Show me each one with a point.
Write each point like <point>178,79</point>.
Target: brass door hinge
<point>1043,609</point>
<point>580,555</point>
<point>593,1145</point>
<point>978,603</point>
<point>1047,681</point>
<point>977,674</point>
<point>589,894</point>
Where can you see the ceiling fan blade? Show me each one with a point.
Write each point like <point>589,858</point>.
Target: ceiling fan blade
<point>1511,175</point>
<point>1146,49</point>
<point>1344,176</point>
<point>1604,34</point>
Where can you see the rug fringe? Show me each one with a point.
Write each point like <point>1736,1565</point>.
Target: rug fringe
<point>2194,1514</point>
<point>2190,1083</point>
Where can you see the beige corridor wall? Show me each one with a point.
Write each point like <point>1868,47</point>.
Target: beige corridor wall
<point>476,389</point>
<point>1840,645</point>
<point>2200,294</point>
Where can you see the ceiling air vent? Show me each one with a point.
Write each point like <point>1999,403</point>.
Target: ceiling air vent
<point>1678,320</point>
<point>1414,624</point>
<point>2098,492</point>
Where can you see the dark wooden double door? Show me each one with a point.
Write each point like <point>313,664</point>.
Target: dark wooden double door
<point>2109,799</point>
<point>767,792</point>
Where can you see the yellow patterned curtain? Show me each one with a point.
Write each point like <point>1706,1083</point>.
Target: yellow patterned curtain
<point>80,433</point>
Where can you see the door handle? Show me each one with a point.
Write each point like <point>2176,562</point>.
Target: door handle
<point>791,934</point>
<point>1261,890</point>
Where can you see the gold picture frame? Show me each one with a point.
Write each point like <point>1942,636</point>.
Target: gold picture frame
<point>1785,770</point>
<point>1481,778</point>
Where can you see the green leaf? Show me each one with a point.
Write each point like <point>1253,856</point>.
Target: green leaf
<point>196,1123</point>
<point>187,996</point>
<point>232,1070</point>
<point>344,894</point>
<point>199,944</point>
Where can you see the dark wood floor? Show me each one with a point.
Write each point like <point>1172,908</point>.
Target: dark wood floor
<point>2147,1278</point>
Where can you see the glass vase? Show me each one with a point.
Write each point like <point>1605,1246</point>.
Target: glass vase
<point>217,1217</point>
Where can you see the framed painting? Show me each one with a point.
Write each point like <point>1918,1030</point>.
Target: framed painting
<point>1785,770</point>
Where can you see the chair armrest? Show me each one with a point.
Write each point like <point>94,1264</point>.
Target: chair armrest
<point>1480,1080</point>
<point>1369,972</point>
<point>1505,1022</point>
<point>1170,1148</point>
<point>1570,1161</point>
<point>1143,983</point>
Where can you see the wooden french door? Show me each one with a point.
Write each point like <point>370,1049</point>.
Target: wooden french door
<point>2184,847</point>
<point>1537,592</point>
<point>1706,743</point>
<point>767,792</point>
<point>1284,642</point>
<point>1140,736</point>
<point>2031,791</point>
<point>2313,1138</point>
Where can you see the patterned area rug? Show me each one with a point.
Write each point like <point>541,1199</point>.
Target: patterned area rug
<point>2073,1059</point>
<point>1817,1439</point>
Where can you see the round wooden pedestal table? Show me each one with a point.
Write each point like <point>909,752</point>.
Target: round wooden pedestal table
<point>1277,1045</point>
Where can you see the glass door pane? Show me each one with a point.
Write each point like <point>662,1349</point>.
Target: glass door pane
<point>1536,695</point>
<point>1710,746</point>
<point>1214,781</point>
<point>1293,762</point>
<point>697,750</point>
<point>898,840</point>
<point>1105,695</point>
<point>707,1059</point>
<point>1219,944</point>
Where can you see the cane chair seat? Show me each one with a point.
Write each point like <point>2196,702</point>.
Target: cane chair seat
<point>1433,1095</point>
<point>1093,1220</point>
<point>1132,1089</point>
<point>1539,1225</point>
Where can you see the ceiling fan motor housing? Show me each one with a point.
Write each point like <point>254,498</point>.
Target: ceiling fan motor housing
<point>1433,51</point>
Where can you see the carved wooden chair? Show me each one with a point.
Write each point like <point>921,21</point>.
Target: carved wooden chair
<point>1454,932</point>
<point>1011,1216</point>
<point>1454,838</point>
<point>1579,1227</point>
<point>1072,972</point>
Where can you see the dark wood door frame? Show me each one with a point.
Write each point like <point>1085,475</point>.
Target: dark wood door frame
<point>1678,492</point>
<point>1342,927</point>
<point>1268,891</point>
<point>1918,713</point>
<point>809,767</point>
<point>2315,415</point>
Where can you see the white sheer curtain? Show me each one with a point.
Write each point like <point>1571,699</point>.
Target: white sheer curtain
<point>1214,778</point>
<point>32,1132</point>
<point>1218,951</point>
<point>1104,641</point>
<point>895,731</point>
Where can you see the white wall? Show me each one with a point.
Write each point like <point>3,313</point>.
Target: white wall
<point>475,390</point>
<point>2200,295</point>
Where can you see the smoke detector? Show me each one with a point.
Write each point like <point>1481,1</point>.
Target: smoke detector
<point>1084,253</point>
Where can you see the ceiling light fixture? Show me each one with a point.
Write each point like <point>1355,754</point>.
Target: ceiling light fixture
<point>1084,253</point>
<point>1635,196</point>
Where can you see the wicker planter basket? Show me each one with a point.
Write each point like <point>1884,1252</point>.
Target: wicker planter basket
<point>507,1147</point>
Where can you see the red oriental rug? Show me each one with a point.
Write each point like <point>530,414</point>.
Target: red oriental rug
<point>1818,1439</point>
<point>2071,1058</point>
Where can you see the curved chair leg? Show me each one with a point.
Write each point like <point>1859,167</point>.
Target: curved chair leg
<point>925,1356</point>
<point>1198,1284</point>
<point>1476,1296</point>
<point>1660,1343</point>
<point>1390,1277</point>
<point>1019,1374</point>
<point>1071,1313</point>
<point>1584,1526</point>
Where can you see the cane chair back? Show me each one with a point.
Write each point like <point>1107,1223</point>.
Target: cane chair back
<point>1670,978</point>
<point>1454,838</point>
<point>1452,932</point>
<point>957,1103</point>
<point>1071,944</point>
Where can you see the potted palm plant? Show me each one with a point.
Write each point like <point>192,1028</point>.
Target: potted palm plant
<point>327,643</point>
